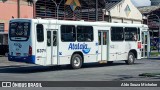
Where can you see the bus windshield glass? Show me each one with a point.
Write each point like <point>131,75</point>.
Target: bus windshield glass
<point>19,31</point>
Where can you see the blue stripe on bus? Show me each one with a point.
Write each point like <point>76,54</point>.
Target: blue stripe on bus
<point>28,59</point>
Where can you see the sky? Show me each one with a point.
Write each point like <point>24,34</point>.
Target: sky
<point>141,2</point>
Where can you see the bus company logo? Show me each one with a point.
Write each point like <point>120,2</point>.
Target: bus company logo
<point>83,47</point>
<point>18,45</point>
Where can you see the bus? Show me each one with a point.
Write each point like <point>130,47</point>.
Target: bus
<point>50,42</point>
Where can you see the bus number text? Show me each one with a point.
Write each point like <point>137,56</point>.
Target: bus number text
<point>41,50</point>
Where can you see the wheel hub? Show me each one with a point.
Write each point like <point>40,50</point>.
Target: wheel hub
<point>131,58</point>
<point>76,61</point>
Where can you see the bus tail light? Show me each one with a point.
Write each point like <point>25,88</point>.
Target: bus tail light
<point>30,51</point>
<point>139,45</point>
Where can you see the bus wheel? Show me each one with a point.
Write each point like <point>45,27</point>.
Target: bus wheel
<point>76,61</point>
<point>131,59</point>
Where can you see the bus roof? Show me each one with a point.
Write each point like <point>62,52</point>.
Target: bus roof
<point>67,22</point>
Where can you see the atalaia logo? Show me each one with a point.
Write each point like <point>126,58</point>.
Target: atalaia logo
<point>79,46</point>
<point>73,4</point>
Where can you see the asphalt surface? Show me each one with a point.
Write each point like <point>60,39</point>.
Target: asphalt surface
<point>118,71</point>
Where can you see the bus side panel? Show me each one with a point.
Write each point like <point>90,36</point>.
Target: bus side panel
<point>65,52</point>
<point>40,47</point>
<point>63,60</point>
<point>67,49</point>
<point>121,52</point>
<point>138,54</point>
<point>112,51</point>
<point>92,56</point>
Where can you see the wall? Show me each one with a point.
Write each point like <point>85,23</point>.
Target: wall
<point>9,9</point>
<point>127,21</point>
<point>116,20</point>
<point>119,12</point>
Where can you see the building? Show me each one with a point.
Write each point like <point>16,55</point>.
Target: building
<point>117,11</point>
<point>9,9</point>
<point>88,10</point>
<point>155,2</point>
<point>151,17</point>
<point>122,11</point>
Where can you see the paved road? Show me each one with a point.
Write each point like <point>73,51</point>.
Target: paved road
<point>119,71</point>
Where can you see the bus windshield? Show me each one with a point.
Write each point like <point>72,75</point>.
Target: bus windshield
<point>19,31</point>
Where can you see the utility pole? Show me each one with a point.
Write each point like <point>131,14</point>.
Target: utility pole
<point>18,8</point>
<point>34,8</point>
<point>96,10</point>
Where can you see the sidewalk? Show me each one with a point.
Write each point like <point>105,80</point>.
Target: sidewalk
<point>3,59</point>
<point>5,62</point>
<point>154,57</point>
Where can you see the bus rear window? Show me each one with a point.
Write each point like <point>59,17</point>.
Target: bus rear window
<point>19,31</point>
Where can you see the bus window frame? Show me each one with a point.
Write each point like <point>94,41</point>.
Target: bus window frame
<point>118,33</point>
<point>130,33</point>
<point>39,35</point>
<point>68,33</point>
<point>85,33</point>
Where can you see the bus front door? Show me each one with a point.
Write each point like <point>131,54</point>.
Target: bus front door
<point>51,47</point>
<point>145,44</point>
<point>103,37</point>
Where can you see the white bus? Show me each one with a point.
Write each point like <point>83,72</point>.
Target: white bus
<point>59,42</point>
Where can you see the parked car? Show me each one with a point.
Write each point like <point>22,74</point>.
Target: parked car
<point>4,50</point>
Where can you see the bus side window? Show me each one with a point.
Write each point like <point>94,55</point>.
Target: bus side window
<point>104,38</point>
<point>99,38</point>
<point>84,33</point>
<point>40,33</point>
<point>54,38</point>
<point>68,33</point>
<point>117,34</point>
<point>131,34</point>
<point>48,38</point>
<point>142,37</point>
<point>138,35</point>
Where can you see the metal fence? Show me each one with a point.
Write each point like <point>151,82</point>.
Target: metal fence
<point>88,10</point>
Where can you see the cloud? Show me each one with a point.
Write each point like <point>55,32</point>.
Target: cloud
<point>141,2</point>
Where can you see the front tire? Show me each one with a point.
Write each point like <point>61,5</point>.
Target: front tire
<point>76,61</point>
<point>131,59</point>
